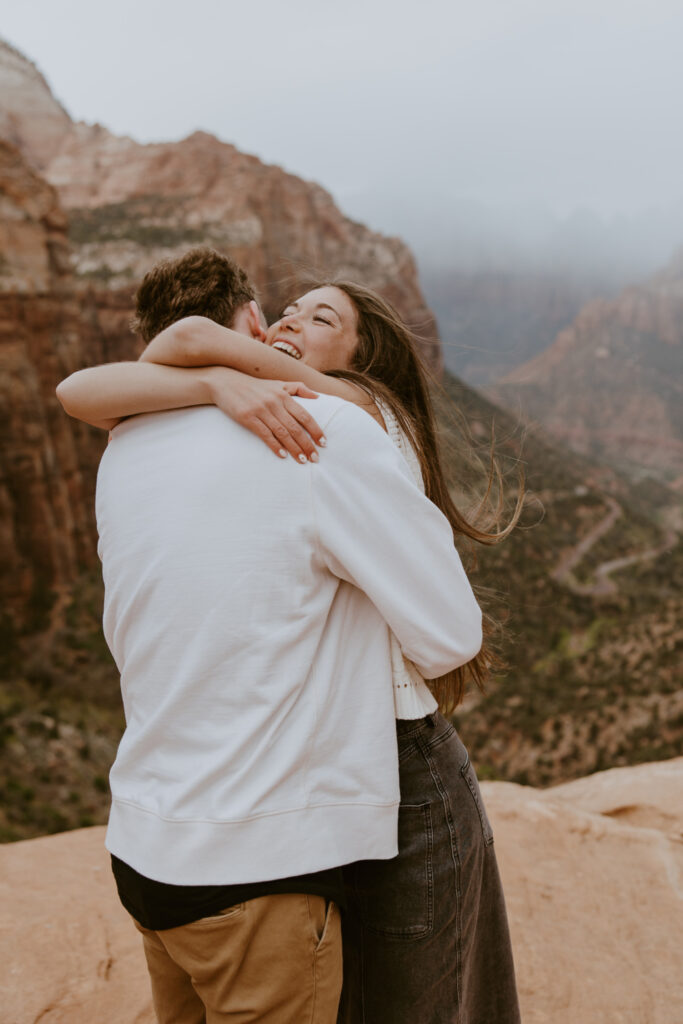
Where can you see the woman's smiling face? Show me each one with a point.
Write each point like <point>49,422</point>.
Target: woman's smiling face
<point>320,329</point>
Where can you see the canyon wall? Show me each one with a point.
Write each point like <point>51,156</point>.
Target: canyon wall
<point>46,463</point>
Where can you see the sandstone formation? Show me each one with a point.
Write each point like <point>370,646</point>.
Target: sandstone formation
<point>594,903</point>
<point>634,796</point>
<point>70,953</point>
<point>45,462</point>
<point>130,205</point>
<point>601,866</point>
<point>610,385</point>
<point>30,116</point>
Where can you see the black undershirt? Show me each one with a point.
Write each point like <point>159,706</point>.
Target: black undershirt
<point>158,905</point>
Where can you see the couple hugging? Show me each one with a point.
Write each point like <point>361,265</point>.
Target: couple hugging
<point>286,785</point>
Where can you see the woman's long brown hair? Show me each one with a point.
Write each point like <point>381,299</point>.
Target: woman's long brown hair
<point>387,365</point>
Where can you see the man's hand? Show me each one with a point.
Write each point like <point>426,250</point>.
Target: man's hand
<point>267,408</point>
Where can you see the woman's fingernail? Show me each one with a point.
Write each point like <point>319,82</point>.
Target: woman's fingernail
<point>322,442</point>
<point>282,453</point>
<point>301,458</point>
<point>313,457</point>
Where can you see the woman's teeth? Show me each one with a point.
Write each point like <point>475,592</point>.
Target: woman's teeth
<point>284,346</point>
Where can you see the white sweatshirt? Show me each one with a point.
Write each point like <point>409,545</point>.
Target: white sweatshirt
<point>246,602</point>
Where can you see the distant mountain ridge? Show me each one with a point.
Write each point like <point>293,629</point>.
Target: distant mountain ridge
<point>611,384</point>
<point>490,321</point>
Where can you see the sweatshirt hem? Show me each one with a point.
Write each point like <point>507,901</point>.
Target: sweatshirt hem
<point>255,849</point>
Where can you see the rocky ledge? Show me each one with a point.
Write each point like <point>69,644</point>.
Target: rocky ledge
<point>593,872</point>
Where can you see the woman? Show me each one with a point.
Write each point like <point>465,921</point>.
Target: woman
<point>426,937</point>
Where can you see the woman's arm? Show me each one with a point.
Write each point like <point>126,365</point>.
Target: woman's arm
<point>103,395</point>
<point>197,341</point>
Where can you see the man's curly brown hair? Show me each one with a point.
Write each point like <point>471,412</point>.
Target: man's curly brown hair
<point>202,282</point>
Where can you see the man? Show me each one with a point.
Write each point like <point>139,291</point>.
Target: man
<point>246,603</point>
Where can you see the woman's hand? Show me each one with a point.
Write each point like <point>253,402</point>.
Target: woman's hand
<point>267,408</point>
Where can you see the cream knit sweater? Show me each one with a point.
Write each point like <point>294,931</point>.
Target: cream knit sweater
<point>412,696</point>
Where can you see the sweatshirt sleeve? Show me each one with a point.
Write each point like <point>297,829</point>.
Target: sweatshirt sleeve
<point>378,531</point>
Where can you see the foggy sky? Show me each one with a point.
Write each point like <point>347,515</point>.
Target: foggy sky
<point>409,113</point>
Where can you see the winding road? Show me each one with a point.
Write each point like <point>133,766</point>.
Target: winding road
<point>602,585</point>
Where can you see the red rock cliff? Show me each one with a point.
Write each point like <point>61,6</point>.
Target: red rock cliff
<point>130,205</point>
<point>44,459</point>
<point>30,116</point>
<point>610,384</point>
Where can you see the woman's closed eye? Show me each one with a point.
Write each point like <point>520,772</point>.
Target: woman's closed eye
<point>322,319</point>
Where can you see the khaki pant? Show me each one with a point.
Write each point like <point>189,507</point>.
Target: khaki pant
<point>272,960</point>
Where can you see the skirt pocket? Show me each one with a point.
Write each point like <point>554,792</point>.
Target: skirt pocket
<point>395,897</point>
